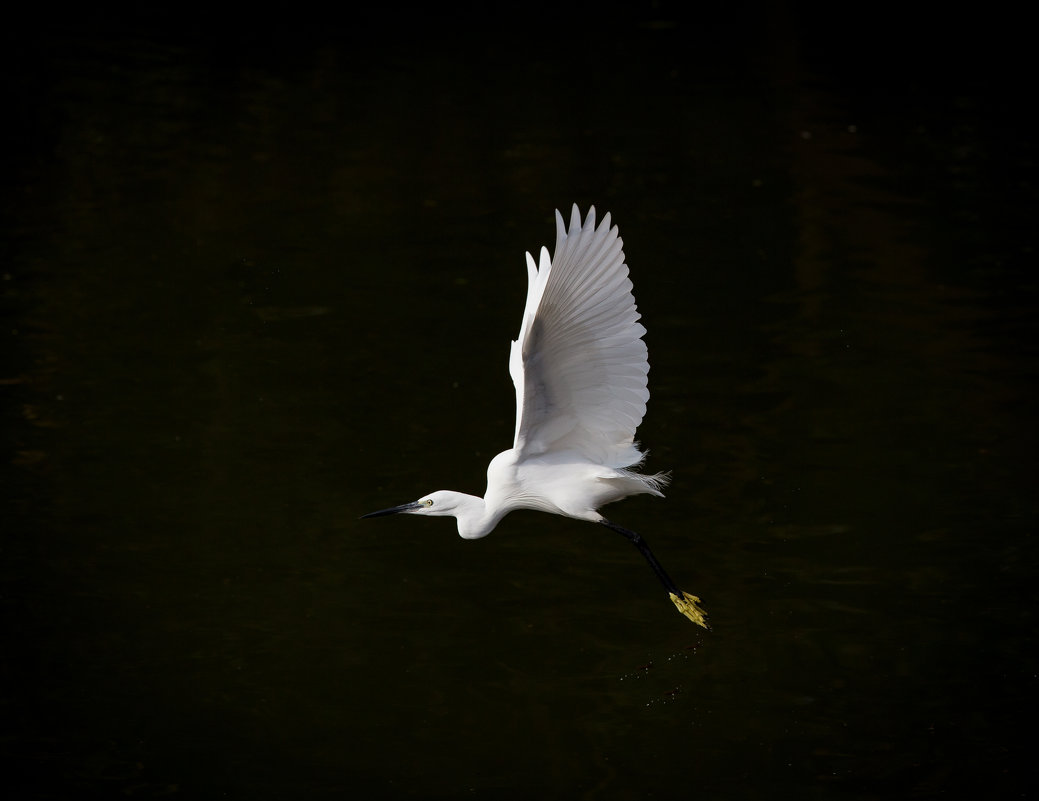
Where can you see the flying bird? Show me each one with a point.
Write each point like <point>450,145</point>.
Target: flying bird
<point>579,366</point>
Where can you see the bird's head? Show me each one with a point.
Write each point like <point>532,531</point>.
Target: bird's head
<point>471,512</point>
<point>436,504</point>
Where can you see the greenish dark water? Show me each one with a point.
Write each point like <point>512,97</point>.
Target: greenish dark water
<point>257,282</point>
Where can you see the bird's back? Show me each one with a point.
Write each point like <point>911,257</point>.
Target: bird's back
<point>560,482</point>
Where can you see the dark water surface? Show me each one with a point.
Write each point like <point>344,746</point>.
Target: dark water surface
<point>258,283</point>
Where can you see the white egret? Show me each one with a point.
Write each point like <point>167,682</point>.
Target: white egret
<point>579,366</point>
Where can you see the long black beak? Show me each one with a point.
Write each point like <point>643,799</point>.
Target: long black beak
<point>396,510</point>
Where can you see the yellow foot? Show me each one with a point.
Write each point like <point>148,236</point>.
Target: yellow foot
<point>689,605</point>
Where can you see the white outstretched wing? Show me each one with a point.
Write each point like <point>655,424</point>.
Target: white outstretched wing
<point>579,363</point>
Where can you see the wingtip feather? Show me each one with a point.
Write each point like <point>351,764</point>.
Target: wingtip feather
<point>575,219</point>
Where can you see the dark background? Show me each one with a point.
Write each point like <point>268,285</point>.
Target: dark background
<point>259,274</point>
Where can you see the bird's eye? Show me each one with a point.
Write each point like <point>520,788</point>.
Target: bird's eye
<point>427,502</point>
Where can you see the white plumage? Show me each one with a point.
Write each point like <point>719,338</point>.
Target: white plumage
<point>580,370</point>
<point>579,363</point>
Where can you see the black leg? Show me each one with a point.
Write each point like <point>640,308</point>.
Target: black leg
<point>643,546</point>
<point>687,604</point>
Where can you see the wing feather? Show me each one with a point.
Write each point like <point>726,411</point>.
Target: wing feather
<point>579,363</point>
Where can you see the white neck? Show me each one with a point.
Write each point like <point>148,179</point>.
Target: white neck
<point>475,520</point>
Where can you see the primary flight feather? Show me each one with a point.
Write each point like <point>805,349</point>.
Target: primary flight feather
<point>580,370</point>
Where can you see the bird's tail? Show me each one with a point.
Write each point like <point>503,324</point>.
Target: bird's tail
<point>638,483</point>
<point>649,484</point>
